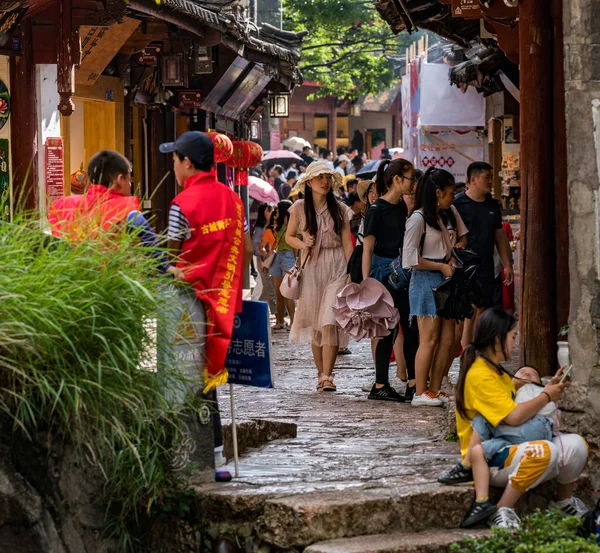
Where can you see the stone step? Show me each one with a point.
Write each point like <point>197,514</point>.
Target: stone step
<point>256,433</point>
<point>433,541</point>
<point>299,517</point>
<point>301,520</point>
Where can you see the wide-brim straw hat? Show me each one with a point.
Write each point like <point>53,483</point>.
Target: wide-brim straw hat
<point>315,169</point>
<point>363,190</point>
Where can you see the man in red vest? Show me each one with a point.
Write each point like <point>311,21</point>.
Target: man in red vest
<point>107,203</point>
<point>206,232</point>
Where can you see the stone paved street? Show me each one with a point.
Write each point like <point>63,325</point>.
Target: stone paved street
<point>356,468</point>
<point>344,440</point>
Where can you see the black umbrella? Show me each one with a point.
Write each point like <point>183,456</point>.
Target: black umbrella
<point>368,171</point>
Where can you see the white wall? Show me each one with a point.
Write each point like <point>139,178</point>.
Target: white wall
<point>48,119</point>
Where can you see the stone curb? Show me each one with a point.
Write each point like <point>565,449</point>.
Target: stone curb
<point>256,433</point>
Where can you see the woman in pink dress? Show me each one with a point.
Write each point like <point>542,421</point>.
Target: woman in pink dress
<point>324,225</point>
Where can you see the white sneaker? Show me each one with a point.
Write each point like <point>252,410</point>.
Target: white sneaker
<point>572,507</point>
<point>426,399</point>
<point>368,387</point>
<point>505,517</point>
<point>443,397</point>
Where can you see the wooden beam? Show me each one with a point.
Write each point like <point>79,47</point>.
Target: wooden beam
<point>24,128</point>
<point>99,45</point>
<point>538,260</point>
<point>561,196</point>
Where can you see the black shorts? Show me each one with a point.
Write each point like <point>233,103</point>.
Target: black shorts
<point>490,292</point>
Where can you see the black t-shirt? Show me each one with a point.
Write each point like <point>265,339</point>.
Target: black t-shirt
<point>387,223</point>
<point>482,219</point>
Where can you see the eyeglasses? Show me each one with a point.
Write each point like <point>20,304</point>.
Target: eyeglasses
<point>411,179</point>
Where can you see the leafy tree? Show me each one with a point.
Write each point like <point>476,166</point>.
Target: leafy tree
<point>345,50</point>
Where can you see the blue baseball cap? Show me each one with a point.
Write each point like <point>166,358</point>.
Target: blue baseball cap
<point>195,145</point>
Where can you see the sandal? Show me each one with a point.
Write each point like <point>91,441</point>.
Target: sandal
<point>278,326</point>
<point>326,385</point>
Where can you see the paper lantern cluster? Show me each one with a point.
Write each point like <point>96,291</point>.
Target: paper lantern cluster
<point>240,155</point>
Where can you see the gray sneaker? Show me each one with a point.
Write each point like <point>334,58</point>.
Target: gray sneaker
<point>505,517</point>
<point>368,387</point>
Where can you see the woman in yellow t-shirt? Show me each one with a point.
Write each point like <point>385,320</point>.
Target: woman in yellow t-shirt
<point>485,388</point>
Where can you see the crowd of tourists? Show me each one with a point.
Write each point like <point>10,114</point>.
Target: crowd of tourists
<point>507,424</point>
<point>400,214</point>
<point>400,220</point>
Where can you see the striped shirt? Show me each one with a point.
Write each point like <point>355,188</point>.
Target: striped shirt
<point>179,227</point>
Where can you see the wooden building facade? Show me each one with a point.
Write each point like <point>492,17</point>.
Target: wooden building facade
<point>110,74</point>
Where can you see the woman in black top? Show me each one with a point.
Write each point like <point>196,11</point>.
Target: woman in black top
<point>383,237</point>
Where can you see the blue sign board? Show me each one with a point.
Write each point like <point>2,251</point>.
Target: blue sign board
<point>249,357</point>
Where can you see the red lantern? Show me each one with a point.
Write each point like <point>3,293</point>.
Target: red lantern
<point>223,146</point>
<point>246,154</point>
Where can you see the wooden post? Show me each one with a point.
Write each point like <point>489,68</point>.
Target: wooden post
<point>495,153</point>
<point>24,127</point>
<point>64,64</point>
<point>561,197</point>
<point>538,262</point>
<point>332,127</point>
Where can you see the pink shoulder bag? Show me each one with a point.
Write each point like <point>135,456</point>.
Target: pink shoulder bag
<point>290,285</point>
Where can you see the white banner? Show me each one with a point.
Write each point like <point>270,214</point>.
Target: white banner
<point>452,150</point>
<point>443,104</point>
<point>409,152</point>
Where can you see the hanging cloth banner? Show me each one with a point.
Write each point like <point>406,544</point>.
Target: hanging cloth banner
<point>444,105</point>
<point>452,150</point>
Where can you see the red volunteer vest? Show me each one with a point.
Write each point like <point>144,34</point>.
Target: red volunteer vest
<point>212,261</point>
<point>77,217</point>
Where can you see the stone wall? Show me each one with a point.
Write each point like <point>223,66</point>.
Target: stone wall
<point>582,85</point>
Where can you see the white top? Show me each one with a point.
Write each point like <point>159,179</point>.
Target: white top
<point>531,391</point>
<point>438,244</point>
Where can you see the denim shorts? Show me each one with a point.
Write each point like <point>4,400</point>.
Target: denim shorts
<point>284,261</point>
<point>420,293</point>
<point>493,439</point>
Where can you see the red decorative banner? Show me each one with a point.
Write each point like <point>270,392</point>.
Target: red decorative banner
<point>190,99</point>
<point>54,169</point>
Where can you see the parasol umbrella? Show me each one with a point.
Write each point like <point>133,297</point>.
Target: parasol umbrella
<point>281,157</point>
<point>261,190</point>
<point>296,143</point>
<point>369,170</point>
<point>366,310</point>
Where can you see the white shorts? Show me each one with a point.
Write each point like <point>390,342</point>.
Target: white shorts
<point>531,463</point>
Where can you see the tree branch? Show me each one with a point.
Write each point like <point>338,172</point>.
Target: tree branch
<point>336,61</point>
<point>393,40</point>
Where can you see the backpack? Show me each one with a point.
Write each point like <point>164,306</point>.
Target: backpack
<point>590,523</point>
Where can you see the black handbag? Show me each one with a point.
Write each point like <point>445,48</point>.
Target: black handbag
<point>355,265</point>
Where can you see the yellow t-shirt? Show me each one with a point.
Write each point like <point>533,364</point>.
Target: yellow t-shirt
<point>488,394</point>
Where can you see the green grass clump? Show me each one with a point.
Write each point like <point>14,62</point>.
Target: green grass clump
<point>74,331</point>
<point>542,532</point>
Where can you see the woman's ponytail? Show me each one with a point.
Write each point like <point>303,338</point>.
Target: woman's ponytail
<point>380,184</point>
<point>468,357</point>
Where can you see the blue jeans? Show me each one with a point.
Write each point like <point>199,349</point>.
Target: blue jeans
<point>495,438</point>
<point>381,268</point>
<point>284,261</point>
